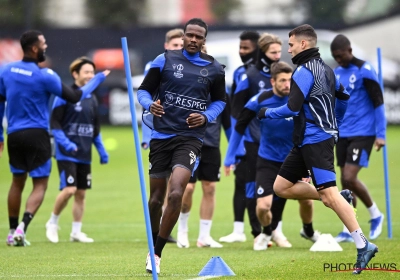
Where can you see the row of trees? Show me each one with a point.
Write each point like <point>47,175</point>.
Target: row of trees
<point>127,13</point>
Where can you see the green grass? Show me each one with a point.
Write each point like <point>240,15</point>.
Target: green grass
<point>114,218</point>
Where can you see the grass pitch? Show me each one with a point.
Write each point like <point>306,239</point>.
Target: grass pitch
<point>114,218</point>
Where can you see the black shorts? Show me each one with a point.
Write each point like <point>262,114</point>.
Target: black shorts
<point>354,150</point>
<point>316,160</point>
<point>178,151</point>
<point>251,160</point>
<point>74,174</point>
<point>209,165</point>
<point>267,170</point>
<point>28,149</point>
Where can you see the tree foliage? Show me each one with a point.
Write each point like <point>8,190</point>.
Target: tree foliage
<point>319,11</point>
<point>222,8</point>
<point>115,13</point>
<point>20,13</point>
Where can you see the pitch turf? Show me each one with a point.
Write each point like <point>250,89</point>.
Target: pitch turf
<point>114,218</point>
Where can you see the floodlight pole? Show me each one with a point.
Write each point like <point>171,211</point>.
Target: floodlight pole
<point>138,154</point>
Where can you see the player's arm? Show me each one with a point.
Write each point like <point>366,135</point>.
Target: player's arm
<point>302,81</point>
<point>57,115</point>
<point>240,97</point>
<point>226,119</point>
<point>97,140</point>
<point>375,93</point>
<point>2,107</point>
<point>150,84</point>
<point>55,86</point>
<point>342,97</point>
<point>248,113</point>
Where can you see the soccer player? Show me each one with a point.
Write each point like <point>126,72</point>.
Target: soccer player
<point>317,102</point>
<point>27,89</point>
<point>275,144</point>
<point>248,50</point>
<point>75,127</point>
<point>364,126</point>
<point>257,78</point>
<point>173,41</point>
<point>185,78</point>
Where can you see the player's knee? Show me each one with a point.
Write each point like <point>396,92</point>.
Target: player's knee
<point>69,191</point>
<point>306,202</point>
<point>156,202</point>
<point>175,198</point>
<point>264,207</point>
<point>327,201</point>
<point>348,179</point>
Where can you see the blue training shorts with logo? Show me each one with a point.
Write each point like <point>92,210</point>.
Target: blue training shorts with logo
<point>354,150</point>
<point>29,150</point>
<point>316,160</point>
<point>74,174</point>
<point>209,166</point>
<point>177,151</point>
<point>267,170</point>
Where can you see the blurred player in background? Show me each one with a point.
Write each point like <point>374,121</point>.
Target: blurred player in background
<point>364,125</point>
<point>208,172</point>
<point>75,128</point>
<point>248,50</point>
<point>27,89</point>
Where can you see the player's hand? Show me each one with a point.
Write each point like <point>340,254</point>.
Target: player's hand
<point>145,145</point>
<point>1,148</point>
<point>106,72</point>
<point>157,109</point>
<point>307,180</point>
<point>228,169</point>
<point>71,147</point>
<point>379,143</point>
<point>196,120</point>
<point>261,113</point>
<point>104,158</point>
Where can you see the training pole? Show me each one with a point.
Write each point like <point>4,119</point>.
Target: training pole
<point>385,159</point>
<point>138,154</point>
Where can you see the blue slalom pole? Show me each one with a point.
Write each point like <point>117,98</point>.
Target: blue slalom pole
<point>138,154</point>
<point>385,159</point>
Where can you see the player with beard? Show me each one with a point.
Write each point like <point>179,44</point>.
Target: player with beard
<point>185,79</point>
<point>27,88</point>
<point>248,50</point>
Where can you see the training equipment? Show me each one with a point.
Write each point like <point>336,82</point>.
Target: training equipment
<point>364,256</point>
<point>128,76</point>
<point>385,158</point>
<point>233,237</point>
<point>261,242</point>
<point>52,232</point>
<point>80,237</point>
<point>344,237</point>
<point>216,267</point>
<point>313,238</point>
<point>208,242</point>
<point>376,227</point>
<point>149,268</point>
<point>326,243</point>
<point>183,240</point>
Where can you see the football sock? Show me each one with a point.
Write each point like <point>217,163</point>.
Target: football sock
<point>359,238</point>
<point>155,234</point>
<point>374,211</point>
<point>205,228</point>
<point>308,229</point>
<point>54,219</point>
<point>160,244</point>
<point>183,222</point>
<point>13,221</point>
<point>76,227</point>
<point>27,219</point>
<point>238,227</point>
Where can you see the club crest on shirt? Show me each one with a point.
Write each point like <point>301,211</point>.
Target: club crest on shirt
<point>178,70</point>
<point>204,72</point>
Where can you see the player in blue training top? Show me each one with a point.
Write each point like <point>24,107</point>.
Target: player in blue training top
<point>248,50</point>
<point>75,127</point>
<point>185,79</point>
<point>364,125</point>
<point>27,88</point>
<point>275,144</point>
<point>317,102</point>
